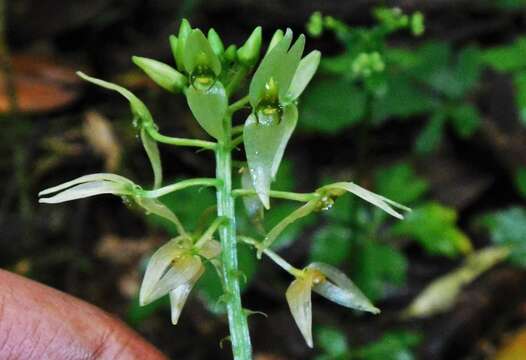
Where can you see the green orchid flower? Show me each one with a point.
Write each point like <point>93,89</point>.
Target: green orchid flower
<point>277,84</point>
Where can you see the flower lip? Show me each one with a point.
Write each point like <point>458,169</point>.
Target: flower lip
<point>329,282</point>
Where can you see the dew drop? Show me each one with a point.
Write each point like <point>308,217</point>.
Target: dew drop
<point>202,79</point>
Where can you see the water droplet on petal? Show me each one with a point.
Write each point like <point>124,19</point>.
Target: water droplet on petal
<point>202,79</point>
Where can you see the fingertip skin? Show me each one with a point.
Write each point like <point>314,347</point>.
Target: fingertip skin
<point>38,322</point>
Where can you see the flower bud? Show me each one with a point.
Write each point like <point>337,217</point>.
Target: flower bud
<point>184,31</point>
<point>215,42</point>
<point>276,38</point>
<point>231,53</point>
<point>248,54</point>
<point>163,75</point>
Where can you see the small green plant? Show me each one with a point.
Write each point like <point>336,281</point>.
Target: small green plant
<point>392,345</point>
<point>378,82</point>
<point>209,76</point>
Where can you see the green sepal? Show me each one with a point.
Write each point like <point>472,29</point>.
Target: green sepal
<point>209,108</point>
<point>267,68</point>
<point>163,75</point>
<point>141,114</point>
<point>152,150</point>
<point>231,53</point>
<point>303,75</point>
<point>199,53</point>
<point>172,39</point>
<point>215,42</point>
<point>184,31</point>
<point>276,38</point>
<point>287,66</point>
<point>248,54</point>
<point>142,119</point>
<point>265,145</point>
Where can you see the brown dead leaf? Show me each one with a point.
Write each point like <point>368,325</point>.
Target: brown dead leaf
<point>124,251</point>
<point>99,133</point>
<point>42,84</point>
<point>514,348</point>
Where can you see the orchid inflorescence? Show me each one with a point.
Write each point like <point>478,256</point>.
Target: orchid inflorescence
<point>209,75</point>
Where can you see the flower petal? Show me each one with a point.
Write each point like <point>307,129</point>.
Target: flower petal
<point>137,106</point>
<point>304,73</point>
<point>294,216</point>
<point>198,52</point>
<point>288,65</point>
<point>152,150</point>
<point>267,68</point>
<point>299,299</point>
<point>209,108</point>
<point>370,197</point>
<point>157,266</point>
<point>179,295</point>
<point>156,207</point>
<point>88,189</point>
<point>84,179</point>
<point>343,291</point>
<point>181,271</point>
<point>265,145</point>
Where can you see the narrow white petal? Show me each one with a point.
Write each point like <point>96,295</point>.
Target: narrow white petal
<point>154,206</point>
<point>86,190</point>
<point>370,197</point>
<point>341,290</point>
<point>299,299</point>
<point>181,271</point>
<point>179,295</point>
<point>84,179</point>
<point>157,266</point>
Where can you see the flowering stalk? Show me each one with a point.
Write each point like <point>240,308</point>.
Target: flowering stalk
<point>208,75</point>
<point>237,320</point>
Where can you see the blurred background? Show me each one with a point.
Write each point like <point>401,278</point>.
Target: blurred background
<point>421,101</point>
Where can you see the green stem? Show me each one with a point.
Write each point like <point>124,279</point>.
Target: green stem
<point>287,195</point>
<point>179,186</point>
<point>179,141</point>
<point>239,335</point>
<point>236,141</point>
<point>238,105</point>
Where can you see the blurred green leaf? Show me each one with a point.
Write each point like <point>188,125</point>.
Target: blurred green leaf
<point>402,99</point>
<point>330,105</point>
<point>431,136</point>
<point>519,80</point>
<point>520,180</point>
<point>376,267</point>
<point>400,183</point>
<point>508,228</point>
<point>506,58</point>
<point>331,341</point>
<point>331,245</point>
<point>248,264</point>
<point>465,119</point>
<point>188,205</point>
<point>434,227</point>
<point>209,290</point>
<point>393,345</point>
<point>510,4</point>
<point>467,68</point>
<point>136,313</point>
